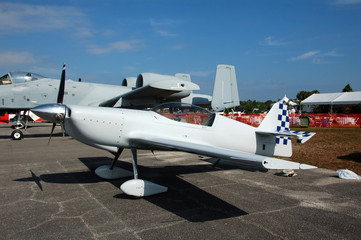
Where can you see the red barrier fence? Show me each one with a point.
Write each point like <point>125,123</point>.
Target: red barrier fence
<point>315,120</point>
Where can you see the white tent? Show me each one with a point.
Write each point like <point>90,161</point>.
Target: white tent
<point>287,100</point>
<point>342,98</point>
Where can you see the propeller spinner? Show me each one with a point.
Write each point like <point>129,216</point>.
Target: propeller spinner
<point>55,112</point>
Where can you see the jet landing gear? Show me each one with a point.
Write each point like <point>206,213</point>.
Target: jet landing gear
<point>135,187</point>
<point>18,125</point>
<point>17,134</point>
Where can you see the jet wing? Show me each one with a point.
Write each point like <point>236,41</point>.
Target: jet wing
<point>221,153</point>
<point>160,90</point>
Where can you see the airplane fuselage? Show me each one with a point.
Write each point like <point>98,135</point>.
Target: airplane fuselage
<point>30,94</point>
<point>110,128</point>
<point>174,126</point>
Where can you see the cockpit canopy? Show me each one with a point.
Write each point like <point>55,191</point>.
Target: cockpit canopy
<point>19,77</point>
<point>187,113</point>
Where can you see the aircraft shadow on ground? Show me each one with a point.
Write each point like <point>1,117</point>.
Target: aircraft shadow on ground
<point>355,157</point>
<point>182,199</point>
<point>37,135</point>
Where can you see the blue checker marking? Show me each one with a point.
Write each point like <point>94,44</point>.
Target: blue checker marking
<point>303,134</point>
<point>283,125</point>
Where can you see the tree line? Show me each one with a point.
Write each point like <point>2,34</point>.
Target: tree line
<point>251,106</point>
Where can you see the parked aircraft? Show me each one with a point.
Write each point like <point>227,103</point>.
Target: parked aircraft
<point>22,91</point>
<point>175,126</point>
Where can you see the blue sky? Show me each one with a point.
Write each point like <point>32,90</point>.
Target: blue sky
<point>278,47</point>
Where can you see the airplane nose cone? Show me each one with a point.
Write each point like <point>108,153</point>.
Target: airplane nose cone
<point>54,113</point>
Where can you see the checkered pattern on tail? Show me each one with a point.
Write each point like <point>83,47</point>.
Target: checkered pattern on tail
<point>283,124</point>
<point>303,136</point>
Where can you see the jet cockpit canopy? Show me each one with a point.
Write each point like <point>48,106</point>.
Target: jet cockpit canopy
<point>187,113</point>
<point>19,77</point>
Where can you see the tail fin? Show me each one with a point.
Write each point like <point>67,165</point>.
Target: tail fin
<point>277,124</point>
<point>225,91</point>
<point>277,119</point>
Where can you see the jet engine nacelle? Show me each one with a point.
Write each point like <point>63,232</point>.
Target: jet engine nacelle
<point>129,82</point>
<point>144,79</point>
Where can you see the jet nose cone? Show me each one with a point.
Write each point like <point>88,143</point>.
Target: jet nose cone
<point>54,113</point>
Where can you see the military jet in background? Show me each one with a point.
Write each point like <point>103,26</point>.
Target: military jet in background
<point>175,126</point>
<point>21,91</point>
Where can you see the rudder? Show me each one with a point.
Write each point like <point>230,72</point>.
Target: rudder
<point>225,91</point>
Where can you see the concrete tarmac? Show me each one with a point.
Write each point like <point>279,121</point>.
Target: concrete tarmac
<point>51,192</point>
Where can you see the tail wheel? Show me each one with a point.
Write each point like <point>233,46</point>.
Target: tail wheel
<point>17,135</point>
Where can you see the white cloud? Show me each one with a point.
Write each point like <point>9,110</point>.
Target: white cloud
<point>16,59</point>
<point>85,33</point>
<point>15,17</point>
<point>332,53</point>
<point>119,46</point>
<point>272,41</point>
<point>305,56</point>
<point>165,33</point>
<point>159,25</point>
<point>317,56</point>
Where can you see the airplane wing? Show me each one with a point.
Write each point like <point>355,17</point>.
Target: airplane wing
<point>221,153</point>
<point>160,90</point>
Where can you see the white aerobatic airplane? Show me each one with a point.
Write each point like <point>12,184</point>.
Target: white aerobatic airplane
<point>176,126</point>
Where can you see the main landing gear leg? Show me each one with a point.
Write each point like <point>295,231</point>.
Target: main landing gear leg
<point>17,134</point>
<point>112,171</point>
<point>138,187</point>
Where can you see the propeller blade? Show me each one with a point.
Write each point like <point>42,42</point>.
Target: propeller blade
<point>51,133</point>
<point>61,87</point>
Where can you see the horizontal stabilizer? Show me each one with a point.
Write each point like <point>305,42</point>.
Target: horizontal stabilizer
<point>302,136</point>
